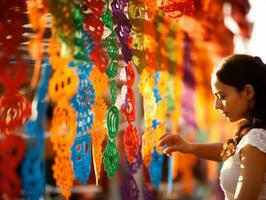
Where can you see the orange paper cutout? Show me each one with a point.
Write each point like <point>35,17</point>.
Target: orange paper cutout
<point>97,140</point>
<point>63,175</point>
<point>63,83</point>
<point>99,81</point>
<point>63,128</point>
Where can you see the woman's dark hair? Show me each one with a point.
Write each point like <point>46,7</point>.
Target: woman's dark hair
<point>237,71</point>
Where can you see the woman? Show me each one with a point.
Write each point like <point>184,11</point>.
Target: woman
<point>239,86</point>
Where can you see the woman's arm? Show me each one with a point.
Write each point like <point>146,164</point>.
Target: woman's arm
<point>252,170</point>
<point>174,142</point>
<point>210,151</point>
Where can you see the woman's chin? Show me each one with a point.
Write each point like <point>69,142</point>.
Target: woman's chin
<point>230,119</point>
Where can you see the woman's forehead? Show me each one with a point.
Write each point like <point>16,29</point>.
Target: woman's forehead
<point>218,86</point>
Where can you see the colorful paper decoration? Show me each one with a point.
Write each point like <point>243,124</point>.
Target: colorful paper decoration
<point>189,87</point>
<point>110,158</point>
<point>33,167</point>
<point>99,81</point>
<point>170,181</point>
<point>63,128</point>
<point>111,155</point>
<point>62,86</point>
<point>81,157</point>
<point>176,8</point>
<point>98,136</point>
<point>63,174</point>
<point>147,193</point>
<point>12,83</point>
<point>157,128</point>
<point>15,107</point>
<point>123,27</point>
<point>147,147</point>
<point>95,27</point>
<point>12,148</point>
<point>175,114</point>
<point>66,20</point>
<point>130,75</point>
<point>145,40</point>
<point>37,14</point>
<point>126,98</point>
<point>82,103</point>
<point>135,166</point>
<point>155,168</point>
<point>149,103</point>
<point>112,122</point>
<point>136,14</point>
<point>128,107</point>
<point>129,189</point>
<point>15,111</point>
<point>113,91</point>
<point>33,174</point>
<point>98,131</point>
<point>63,83</point>
<point>132,143</point>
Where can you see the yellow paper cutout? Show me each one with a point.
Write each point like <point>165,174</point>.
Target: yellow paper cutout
<point>147,147</point>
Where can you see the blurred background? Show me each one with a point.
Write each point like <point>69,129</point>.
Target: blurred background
<point>87,87</point>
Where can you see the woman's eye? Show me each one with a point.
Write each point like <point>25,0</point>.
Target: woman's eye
<point>222,97</point>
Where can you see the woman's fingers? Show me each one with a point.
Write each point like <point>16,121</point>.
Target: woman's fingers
<point>164,140</point>
<point>169,150</point>
<point>164,135</point>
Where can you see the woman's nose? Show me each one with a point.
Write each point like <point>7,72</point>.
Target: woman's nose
<point>218,104</point>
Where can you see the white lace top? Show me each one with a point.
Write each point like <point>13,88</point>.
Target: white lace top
<point>231,168</point>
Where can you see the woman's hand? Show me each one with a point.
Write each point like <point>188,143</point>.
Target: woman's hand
<point>173,143</point>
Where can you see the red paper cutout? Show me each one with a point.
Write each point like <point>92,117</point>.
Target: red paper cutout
<point>129,107</point>
<point>96,6</point>
<point>12,149</point>
<point>12,73</point>
<point>132,143</point>
<point>15,110</point>
<point>101,62</point>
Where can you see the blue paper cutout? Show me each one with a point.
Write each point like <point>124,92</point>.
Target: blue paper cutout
<point>84,122</point>
<point>84,98</point>
<point>155,123</point>
<point>155,168</point>
<point>170,175</point>
<point>81,157</point>
<point>156,77</point>
<point>33,174</point>
<point>157,94</point>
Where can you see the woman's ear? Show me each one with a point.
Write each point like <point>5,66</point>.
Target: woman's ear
<point>249,91</point>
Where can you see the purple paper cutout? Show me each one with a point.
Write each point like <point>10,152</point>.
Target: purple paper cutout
<point>148,195</point>
<point>134,167</point>
<point>118,6</point>
<point>126,53</point>
<point>129,188</point>
<point>188,96</point>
